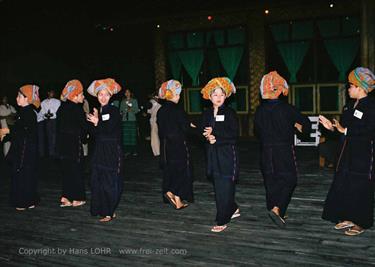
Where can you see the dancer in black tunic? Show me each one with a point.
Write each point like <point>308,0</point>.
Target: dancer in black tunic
<point>220,128</point>
<point>275,123</point>
<point>173,126</point>
<point>350,199</point>
<point>23,153</point>
<point>107,155</point>
<point>71,130</point>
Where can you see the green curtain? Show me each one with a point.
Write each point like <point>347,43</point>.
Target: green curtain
<point>236,36</point>
<point>293,54</point>
<point>195,101</point>
<point>230,58</point>
<point>342,51</point>
<point>176,41</point>
<point>195,39</point>
<point>175,64</point>
<point>280,32</point>
<point>192,62</point>
<point>213,63</point>
<point>219,37</point>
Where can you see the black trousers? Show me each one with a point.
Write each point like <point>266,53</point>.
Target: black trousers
<point>224,196</point>
<point>73,186</point>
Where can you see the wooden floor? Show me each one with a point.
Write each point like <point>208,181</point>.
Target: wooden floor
<point>150,233</point>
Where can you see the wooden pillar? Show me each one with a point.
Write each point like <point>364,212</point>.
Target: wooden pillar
<point>257,62</point>
<point>160,58</point>
<point>368,34</point>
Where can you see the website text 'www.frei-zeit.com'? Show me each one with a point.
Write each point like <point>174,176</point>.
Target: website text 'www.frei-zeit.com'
<point>48,251</point>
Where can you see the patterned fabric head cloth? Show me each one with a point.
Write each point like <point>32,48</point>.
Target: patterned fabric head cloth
<point>72,89</point>
<point>32,93</point>
<point>221,82</point>
<point>169,89</point>
<point>106,84</point>
<point>272,85</point>
<point>362,77</point>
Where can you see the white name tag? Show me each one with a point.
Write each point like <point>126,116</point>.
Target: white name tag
<point>358,114</point>
<point>105,117</point>
<point>220,118</point>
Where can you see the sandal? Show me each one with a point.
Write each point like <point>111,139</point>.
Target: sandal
<point>66,204</point>
<point>78,203</point>
<point>183,206</point>
<point>236,214</point>
<point>353,232</point>
<point>343,225</point>
<point>276,219</point>
<point>20,209</point>
<point>107,218</point>
<point>219,228</point>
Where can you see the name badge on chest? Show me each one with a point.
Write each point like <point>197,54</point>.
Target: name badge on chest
<point>358,114</point>
<point>219,118</point>
<point>105,117</point>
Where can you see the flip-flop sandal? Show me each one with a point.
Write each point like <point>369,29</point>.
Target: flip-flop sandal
<point>219,228</point>
<point>236,214</point>
<point>107,218</point>
<point>343,225</point>
<point>182,207</point>
<point>66,204</point>
<point>170,200</point>
<point>80,203</point>
<point>353,232</point>
<point>276,219</point>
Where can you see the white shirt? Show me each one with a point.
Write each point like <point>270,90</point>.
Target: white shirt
<point>51,104</point>
<point>153,110</point>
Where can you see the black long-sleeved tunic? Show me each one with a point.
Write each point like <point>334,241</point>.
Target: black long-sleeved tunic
<point>107,162</point>
<point>23,156</point>
<point>274,125</point>
<point>351,195</point>
<point>173,126</point>
<point>222,156</point>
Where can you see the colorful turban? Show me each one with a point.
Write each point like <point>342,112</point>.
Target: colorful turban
<point>109,84</point>
<point>272,85</point>
<point>32,93</point>
<point>362,77</point>
<point>169,89</point>
<point>72,89</point>
<point>219,82</point>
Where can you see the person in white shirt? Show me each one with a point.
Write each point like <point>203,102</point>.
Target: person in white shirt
<point>7,119</point>
<point>153,110</point>
<point>49,107</point>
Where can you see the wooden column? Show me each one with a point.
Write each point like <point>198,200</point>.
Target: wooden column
<point>257,62</point>
<point>160,58</point>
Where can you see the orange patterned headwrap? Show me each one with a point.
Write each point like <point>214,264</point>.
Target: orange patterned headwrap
<point>220,82</point>
<point>32,93</point>
<point>108,84</point>
<point>362,77</point>
<point>169,89</point>
<point>72,89</point>
<point>272,85</point>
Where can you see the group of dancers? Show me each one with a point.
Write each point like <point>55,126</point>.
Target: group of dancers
<point>349,203</point>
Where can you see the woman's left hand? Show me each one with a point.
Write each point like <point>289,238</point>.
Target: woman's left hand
<point>338,126</point>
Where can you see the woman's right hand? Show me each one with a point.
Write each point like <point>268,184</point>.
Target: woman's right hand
<point>326,122</point>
